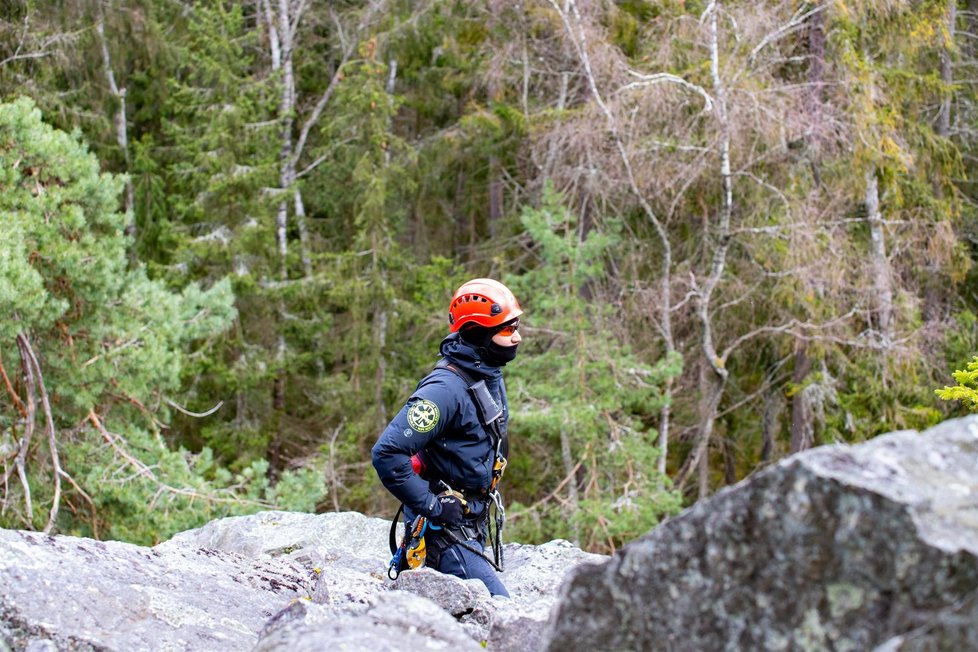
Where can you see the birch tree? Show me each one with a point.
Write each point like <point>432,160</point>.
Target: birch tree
<point>577,32</point>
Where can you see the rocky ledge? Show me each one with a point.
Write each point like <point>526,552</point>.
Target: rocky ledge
<point>866,547</point>
<point>270,581</point>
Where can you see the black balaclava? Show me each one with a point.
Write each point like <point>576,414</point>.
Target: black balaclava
<point>491,353</point>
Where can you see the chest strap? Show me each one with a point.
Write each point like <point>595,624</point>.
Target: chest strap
<point>490,411</point>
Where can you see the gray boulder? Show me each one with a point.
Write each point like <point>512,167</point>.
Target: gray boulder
<point>468,601</point>
<point>465,609</point>
<point>346,551</point>
<point>393,621</point>
<point>278,580</point>
<point>533,577</point>
<point>68,593</point>
<point>862,547</point>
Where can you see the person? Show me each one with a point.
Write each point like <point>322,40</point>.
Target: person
<point>444,452</point>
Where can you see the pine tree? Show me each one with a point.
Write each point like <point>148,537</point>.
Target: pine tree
<point>100,345</point>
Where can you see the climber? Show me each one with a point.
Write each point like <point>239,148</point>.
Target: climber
<point>443,454</point>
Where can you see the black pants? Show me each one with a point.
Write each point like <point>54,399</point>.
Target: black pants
<point>462,560</point>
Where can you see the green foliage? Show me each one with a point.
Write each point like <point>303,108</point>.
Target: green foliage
<point>582,397</point>
<point>110,343</point>
<point>420,179</point>
<point>966,390</point>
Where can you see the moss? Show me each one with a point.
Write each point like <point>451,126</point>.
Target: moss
<point>843,598</point>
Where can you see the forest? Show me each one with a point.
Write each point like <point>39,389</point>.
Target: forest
<point>231,230</point>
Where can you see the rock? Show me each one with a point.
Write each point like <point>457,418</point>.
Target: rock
<point>536,572</point>
<point>393,621</point>
<point>845,548</point>
<point>69,593</point>
<point>468,601</point>
<point>519,628</point>
<point>347,551</point>
<point>308,538</point>
<point>287,580</point>
<point>533,575</point>
<point>840,547</point>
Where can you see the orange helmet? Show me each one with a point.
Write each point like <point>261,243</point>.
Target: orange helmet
<point>484,302</point>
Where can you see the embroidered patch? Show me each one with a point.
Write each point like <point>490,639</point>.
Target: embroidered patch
<point>423,415</point>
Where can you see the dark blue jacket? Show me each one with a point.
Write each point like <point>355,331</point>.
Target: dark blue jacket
<point>440,420</point>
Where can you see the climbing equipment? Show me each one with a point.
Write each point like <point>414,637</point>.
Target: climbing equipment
<point>458,534</point>
<point>482,302</point>
<point>412,552</point>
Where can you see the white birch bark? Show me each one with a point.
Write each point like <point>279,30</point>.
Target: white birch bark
<point>571,18</point>
<point>119,120</point>
<point>720,236</point>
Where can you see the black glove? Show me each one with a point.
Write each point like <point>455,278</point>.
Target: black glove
<point>449,509</point>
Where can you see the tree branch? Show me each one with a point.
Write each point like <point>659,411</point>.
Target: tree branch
<point>663,77</point>
<point>199,415</point>
<point>10,389</point>
<point>147,473</point>
<point>348,49</point>
<point>796,23</point>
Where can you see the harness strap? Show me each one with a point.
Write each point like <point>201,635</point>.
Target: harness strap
<point>489,414</point>
<point>393,534</point>
<point>482,399</point>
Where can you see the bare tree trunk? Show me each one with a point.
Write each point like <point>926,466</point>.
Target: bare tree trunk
<point>714,374</point>
<point>525,95</point>
<point>934,296</point>
<point>35,381</point>
<point>773,405</point>
<point>880,268</point>
<point>729,463</point>
<point>380,334</point>
<point>703,475</point>
<point>495,195</point>
<point>553,150</point>
<point>463,233</point>
<point>300,221</point>
<point>119,120</point>
<point>816,68</point>
<point>816,78</point>
<point>286,112</point>
<point>802,416</point>
<point>711,391</point>
<point>567,458</point>
<point>30,422</point>
<point>664,415</point>
<point>281,43</point>
<point>947,71</point>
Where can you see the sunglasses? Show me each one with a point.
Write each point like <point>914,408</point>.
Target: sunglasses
<point>509,329</point>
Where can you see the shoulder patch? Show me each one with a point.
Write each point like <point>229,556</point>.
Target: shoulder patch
<point>423,415</point>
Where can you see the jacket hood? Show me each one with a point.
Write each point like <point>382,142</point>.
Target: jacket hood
<point>468,358</point>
